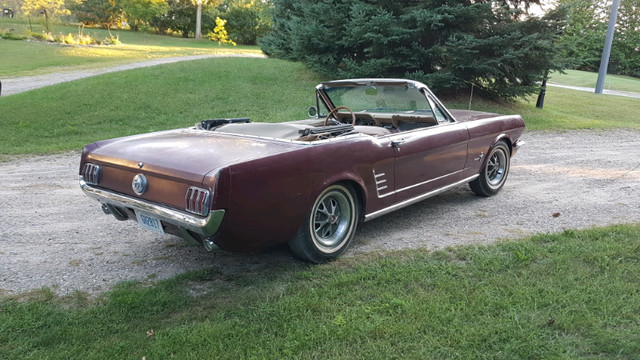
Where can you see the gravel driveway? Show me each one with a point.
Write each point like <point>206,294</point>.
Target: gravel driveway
<point>53,236</point>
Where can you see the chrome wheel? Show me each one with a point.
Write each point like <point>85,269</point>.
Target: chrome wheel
<point>496,167</point>
<point>329,226</point>
<point>494,171</point>
<point>332,218</point>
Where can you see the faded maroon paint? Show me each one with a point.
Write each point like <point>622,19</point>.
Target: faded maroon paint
<point>269,197</point>
<point>174,160</point>
<point>267,187</point>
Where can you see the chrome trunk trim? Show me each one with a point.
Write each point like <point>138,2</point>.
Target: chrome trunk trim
<point>205,226</point>
<point>416,199</point>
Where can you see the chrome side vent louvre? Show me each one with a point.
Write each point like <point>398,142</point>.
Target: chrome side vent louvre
<point>381,185</point>
<point>91,173</point>
<point>197,201</point>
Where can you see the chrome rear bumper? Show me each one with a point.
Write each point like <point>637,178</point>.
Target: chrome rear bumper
<point>205,226</point>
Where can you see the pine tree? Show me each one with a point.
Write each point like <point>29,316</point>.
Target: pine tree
<point>449,44</point>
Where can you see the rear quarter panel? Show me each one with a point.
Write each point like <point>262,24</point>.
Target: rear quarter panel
<point>268,199</point>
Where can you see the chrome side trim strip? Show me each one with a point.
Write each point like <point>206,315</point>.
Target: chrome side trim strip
<point>426,182</point>
<point>206,226</point>
<point>380,196</point>
<point>416,199</point>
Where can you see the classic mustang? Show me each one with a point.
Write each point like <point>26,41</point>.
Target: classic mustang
<point>384,144</point>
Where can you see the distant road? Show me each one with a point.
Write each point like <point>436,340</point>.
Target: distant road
<point>17,85</point>
<point>592,90</point>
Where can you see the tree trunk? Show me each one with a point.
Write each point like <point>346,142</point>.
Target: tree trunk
<point>199,21</point>
<point>46,20</point>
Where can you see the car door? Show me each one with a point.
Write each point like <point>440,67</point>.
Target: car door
<point>429,158</point>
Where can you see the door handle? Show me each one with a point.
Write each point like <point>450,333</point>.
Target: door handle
<point>396,143</point>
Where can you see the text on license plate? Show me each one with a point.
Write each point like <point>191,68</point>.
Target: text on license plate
<point>149,222</point>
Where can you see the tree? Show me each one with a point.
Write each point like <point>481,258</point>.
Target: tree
<point>248,20</point>
<point>182,17</point>
<point>199,4</point>
<point>140,12</point>
<point>47,7</point>
<point>586,30</point>
<point>100,12</point>
<point>220,34</point>
<point>449,44</point>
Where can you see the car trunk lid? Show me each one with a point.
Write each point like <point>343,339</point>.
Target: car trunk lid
<point>173,161</point>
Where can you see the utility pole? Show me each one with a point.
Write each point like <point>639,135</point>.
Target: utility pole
<point>604,63</point>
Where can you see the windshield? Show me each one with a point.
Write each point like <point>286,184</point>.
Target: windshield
<point>380,98</point>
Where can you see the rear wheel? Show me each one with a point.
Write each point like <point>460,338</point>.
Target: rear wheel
<point>329,225</point>
<point>494,172</point>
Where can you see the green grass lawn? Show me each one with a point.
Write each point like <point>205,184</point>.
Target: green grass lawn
<point>589,79</point>
<point>69,115</point>
<point>20,58</point>
<point>568,296</point>
<point>566,109</point>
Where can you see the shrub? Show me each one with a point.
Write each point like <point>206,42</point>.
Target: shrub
<point>220,34</point>
<point>44,36</point>
<point>11,36</point>
<point>248,20</point>
<point>112,40</point>
<point>76,39</point>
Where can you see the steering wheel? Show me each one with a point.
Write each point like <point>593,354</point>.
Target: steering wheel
<point>334,111</point>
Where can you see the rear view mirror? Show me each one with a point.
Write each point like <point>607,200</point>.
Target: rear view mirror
<point>313,112</point>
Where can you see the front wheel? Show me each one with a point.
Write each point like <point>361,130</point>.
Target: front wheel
<point>329,225</point>
<point>494,172</point>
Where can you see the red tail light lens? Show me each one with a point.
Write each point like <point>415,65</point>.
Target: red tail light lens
<point>197,201</point>
<point>91,173</point>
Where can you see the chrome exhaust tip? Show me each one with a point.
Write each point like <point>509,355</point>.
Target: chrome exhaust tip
<point>210,245</point>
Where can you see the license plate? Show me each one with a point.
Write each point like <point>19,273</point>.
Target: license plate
<point>149,222</point>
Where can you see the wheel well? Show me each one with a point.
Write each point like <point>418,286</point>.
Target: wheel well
<point>508,142</point>
<point>357,189</point>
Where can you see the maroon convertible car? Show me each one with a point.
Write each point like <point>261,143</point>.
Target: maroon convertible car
<point>231,183</point>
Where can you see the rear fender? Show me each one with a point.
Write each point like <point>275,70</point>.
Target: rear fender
<point>356,183</point>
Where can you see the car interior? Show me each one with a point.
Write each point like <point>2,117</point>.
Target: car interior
<point>340,124</point>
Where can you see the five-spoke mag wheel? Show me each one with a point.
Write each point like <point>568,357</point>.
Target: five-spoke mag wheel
<point>329,226</point>
<point>494,171</point>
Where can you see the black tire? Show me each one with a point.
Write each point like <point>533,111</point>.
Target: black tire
<point>329,226</point>
<point>494,171</point>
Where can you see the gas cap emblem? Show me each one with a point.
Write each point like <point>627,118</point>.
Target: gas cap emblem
<point>139,184</point>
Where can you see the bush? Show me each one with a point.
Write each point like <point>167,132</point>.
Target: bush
<point>11,36</point>
<point>42,36</point>
<point>248,20</point>
<point>75,39</point>
<point>112,40</point>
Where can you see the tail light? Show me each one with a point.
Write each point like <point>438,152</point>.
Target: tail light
<point>197,201</point>
<point>91,173</point>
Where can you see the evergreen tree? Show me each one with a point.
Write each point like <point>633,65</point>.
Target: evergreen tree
<point>586,30</point>
<point>448,44</point>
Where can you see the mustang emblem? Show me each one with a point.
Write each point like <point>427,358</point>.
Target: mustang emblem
<point>139,184</point>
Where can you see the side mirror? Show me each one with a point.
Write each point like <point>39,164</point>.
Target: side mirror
<point>313,111</point>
